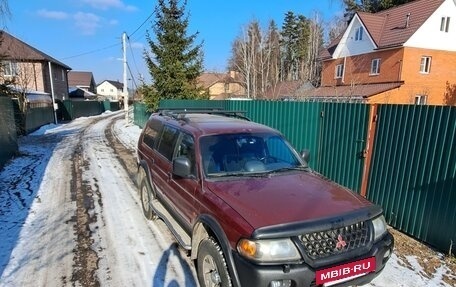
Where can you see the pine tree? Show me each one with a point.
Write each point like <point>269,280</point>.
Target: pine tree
<point>174,61</point>
<point>373,6</point>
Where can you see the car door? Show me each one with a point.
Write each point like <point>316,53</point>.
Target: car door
<point>162,170</point>
<point>182,190</point>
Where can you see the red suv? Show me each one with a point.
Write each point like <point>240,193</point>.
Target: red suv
<point>250,210</point>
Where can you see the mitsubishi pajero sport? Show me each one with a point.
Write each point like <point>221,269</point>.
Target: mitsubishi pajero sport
<point>248,208</point>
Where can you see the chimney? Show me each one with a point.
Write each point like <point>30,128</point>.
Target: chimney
<point>407,21</point>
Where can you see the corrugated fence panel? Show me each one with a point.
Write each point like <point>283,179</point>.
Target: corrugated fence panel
<point>8,137</point>
<point>298,121</point>
<point>140,114</point>
<point>413,171</point>
<point>342,142</point>
<point>38,117</point>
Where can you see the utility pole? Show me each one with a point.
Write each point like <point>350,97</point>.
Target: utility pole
<point>125,86</point>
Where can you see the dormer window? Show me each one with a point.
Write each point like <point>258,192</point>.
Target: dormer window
<point>359,34</point>
<point>445,24</point>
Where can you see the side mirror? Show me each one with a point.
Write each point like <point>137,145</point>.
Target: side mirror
<point>305,155</point>
<point>182,167</point>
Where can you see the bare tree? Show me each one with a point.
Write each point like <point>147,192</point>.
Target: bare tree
<point>5,13</point>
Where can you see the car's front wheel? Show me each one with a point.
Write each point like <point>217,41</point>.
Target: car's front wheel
<point>211,265</point>
<point>147,196</point>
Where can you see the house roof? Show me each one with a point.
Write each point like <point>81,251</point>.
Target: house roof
<point>360,91</point>
<point>209,79</point>
<point>287,89</point>
<point>79,78</point>
<point>116,84</point>
<point>12,48</point>
<point>394,26</point>
<point>80,93</point>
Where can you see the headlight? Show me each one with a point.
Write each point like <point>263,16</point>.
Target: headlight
<point>379,224</point>
<point>268,250</point>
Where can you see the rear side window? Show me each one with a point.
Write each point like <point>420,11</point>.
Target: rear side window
<point>168,142</point>
<point>151,133</point>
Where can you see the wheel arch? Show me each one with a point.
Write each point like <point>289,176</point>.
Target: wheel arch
<point>206,227</point>
<point>142,164</point>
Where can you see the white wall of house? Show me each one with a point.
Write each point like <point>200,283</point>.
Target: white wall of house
<point>350,46</point>
<point>109,91</point>
<point>429,36</point>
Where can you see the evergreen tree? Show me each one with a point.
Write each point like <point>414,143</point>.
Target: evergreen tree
<point>174,61</point>
<point>353,6</point>
<point>289,47</point>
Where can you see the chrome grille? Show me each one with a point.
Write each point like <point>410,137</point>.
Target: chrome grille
<point>335,241</point>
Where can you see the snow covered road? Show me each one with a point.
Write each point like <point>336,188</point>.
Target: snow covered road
<point>70,216</point>
<point>81,224</point>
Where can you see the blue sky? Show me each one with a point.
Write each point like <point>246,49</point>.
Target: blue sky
<point>86,34</point>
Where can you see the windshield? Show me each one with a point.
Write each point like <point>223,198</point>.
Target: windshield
<point>246,153</point>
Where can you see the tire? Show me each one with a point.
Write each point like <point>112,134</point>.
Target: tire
<point>211,265</point>
<point>147,196</point>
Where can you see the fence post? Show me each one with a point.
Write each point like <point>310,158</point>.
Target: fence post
<point>367,153</point>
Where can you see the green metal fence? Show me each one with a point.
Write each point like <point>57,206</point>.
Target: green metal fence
<point>37,117</point>
<point>8,138</point>
<point>342,143</point>
<point>334,133</point>
<point>413,171</point>
<point>140,114</point>
<point>410,171</point>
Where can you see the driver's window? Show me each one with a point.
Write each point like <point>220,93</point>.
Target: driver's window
<point>280,151</point>
<point>187,148</point>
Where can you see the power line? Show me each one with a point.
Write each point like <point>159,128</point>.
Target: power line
<point>133,55</point>
<point>91,52</point>
<point>110,46</point>
<point>151,14</point>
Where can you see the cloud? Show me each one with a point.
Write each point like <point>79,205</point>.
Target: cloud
<point>87,23</point>
<point>56,15</point>
<point>108,4</point>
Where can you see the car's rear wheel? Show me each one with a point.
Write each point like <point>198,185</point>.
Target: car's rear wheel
<point>147,196</point>
<point>212,270</point>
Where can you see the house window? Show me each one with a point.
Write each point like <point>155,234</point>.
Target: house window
<point>445,24</point>
<point>375,67</point>
<point>9,68</point>
<point>339,71</point>
<point>359,34</point>
<point>420,99</point>
<point>425,65</point>
<point>63,75</point>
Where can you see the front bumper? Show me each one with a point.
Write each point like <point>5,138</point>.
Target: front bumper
<point>295,275</point>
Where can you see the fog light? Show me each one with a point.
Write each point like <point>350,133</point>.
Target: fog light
<point>280,283</point>
<point>387,254</point>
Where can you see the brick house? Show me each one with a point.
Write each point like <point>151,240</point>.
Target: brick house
<point>403,55</point>
<point>82,80</point>
<point>222,86</point>
<point>32,70</point>
<point>81,85</point>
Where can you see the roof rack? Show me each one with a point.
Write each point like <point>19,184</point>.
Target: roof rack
<point>179,113</point>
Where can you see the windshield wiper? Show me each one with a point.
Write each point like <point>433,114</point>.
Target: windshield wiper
<point>301,168</point>
<point>238,174</point>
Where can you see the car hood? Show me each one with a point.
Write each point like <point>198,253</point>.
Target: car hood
<point>286,198</point>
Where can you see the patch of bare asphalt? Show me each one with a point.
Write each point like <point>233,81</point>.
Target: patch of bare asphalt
<point>125,155</point>
<point>85,262</point>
